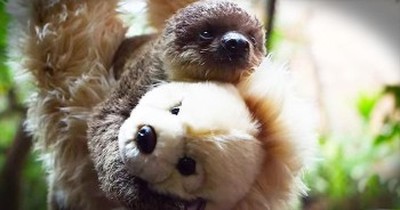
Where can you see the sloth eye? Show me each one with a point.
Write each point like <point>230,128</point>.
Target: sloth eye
<point>206,35</point>
<point>253,40</point>
<point>175,110</point>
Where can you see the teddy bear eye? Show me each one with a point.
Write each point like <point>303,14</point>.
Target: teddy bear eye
<point>175,110</point>
<point>146,139</point>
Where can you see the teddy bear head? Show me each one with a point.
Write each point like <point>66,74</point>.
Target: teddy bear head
<point>194,141</point>
<point>219,146</point>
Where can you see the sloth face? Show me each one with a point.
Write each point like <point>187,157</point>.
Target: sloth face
<point>194,141</point>
<point>212,41</point>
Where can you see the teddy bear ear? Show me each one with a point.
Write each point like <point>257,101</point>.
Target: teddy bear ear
<point>286,131</point>
<point>265,90</point>
<point>283,116</point>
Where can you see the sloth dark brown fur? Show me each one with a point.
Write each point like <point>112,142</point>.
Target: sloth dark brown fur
<point>179,53</point>
<point>188,55</point>
<point>182,53</point>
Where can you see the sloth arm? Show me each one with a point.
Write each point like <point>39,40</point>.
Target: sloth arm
<point>136,77</point>
<point>128,51</point>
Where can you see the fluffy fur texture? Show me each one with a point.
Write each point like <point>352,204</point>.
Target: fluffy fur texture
<point>69,48</point>
<point>181,53</point>
<point>287,132</point>
<point>72,51</point>
<point>250,144</point>
<point>188,55</point>
<point>70,57</point>
<point>150,66</point>
<point>213,126</point>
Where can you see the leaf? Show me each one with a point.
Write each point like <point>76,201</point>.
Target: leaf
<point>388,134</point>
<point>5,76</point>
<point>366,103</point>
<point>395,90</point>
<point>276,38</point>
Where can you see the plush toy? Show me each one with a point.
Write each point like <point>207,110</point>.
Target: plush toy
<point>218,146</point>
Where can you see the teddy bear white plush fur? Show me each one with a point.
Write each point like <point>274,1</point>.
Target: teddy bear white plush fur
<point>222,146</point>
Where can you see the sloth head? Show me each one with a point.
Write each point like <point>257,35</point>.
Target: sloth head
<point>212,40</point>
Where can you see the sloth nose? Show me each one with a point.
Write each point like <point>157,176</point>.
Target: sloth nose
<point>235,42</point>
<point>186,166</point>
<point>146,139</point>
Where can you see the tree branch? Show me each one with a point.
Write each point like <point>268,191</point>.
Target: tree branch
<point>10,176</point>
<point>271,5</point>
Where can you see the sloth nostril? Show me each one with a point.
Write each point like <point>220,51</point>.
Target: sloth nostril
<point>146,139</point>
<point>235,42</point>
<point>186,166</point>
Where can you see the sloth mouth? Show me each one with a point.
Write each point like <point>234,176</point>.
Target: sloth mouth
<point>197,204</point>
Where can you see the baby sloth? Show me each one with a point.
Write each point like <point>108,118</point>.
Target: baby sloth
<point>207,40</point>
<point>219,146</point>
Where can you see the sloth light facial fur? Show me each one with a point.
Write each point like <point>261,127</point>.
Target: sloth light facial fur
<point>219,146</point>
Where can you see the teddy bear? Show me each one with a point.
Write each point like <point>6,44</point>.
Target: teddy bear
<point>220,146</point>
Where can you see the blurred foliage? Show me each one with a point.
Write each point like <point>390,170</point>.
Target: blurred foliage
<point>366,103</point>
<point>361,172</point>
<point>277,37</point>
<point>34,190</point>
<point>5,78</point>
<point>34,187</point>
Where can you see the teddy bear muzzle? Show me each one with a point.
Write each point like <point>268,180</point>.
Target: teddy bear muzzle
<point>186,166</point>
<point>146,141</point>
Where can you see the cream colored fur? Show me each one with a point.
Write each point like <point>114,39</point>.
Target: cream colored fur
<point>68,49</point>
<point>213,126</point>
<point>251,143</point>
<point>287,133</point>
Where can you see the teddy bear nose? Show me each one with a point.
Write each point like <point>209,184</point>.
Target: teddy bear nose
<point>186,166</point>
<point>146,139</point>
